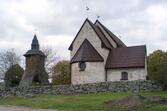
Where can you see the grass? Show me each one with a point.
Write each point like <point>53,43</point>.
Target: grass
<point>87,102</point>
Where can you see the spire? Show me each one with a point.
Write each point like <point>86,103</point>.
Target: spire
<point>35,44</point>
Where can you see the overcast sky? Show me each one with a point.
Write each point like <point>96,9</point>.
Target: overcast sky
<point>57,22</point>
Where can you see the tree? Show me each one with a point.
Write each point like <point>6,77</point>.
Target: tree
<point>61,73</point>
<point>157,67</point>
<point>51,58</point>
<point>13,75</point>
<point>7,59</point>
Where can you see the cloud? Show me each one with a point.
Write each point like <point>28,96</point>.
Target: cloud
<point>59,43</point>
<point>58,21</point>
<point>143,24</point>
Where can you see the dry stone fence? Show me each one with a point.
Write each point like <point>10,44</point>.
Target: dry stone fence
<point>120,86</point>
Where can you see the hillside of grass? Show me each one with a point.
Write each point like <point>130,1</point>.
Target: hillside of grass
<point>86,102</point>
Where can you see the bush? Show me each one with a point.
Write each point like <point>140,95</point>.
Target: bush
<point>157,67</point>
<point>61,73</point>
<point>61,79</point>
<point>13,75</point>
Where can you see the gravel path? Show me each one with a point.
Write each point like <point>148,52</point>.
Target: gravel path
<point>19,108</point>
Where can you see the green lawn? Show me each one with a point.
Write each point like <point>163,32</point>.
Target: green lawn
<point>87,102</point>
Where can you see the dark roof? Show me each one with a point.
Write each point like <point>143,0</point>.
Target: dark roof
<point>114,37</point>
<point>126,57</point>
<point>34,52</point>
<point>86,53</point>
<point>99,33</point>
<point>35,44</point>
<point>34,48</point>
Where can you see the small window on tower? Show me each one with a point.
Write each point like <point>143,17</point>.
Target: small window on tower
<point>82,66</point>
<point>124,76</point>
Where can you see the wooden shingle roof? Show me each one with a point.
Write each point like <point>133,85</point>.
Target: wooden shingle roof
<point>113,36</point>
<point>106,43</point>
<point>86,53</point>
<point>126,57</point>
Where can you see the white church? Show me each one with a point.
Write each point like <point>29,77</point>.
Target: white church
<point>97,55</point>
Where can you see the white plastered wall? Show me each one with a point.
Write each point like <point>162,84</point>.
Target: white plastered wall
<point>95,71</point>
<point>133,74</point>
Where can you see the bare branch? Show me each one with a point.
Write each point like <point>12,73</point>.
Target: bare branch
<point>51,58</point>
<point>8,58</point>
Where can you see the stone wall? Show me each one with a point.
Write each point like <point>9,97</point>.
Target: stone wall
<point>120,86</point>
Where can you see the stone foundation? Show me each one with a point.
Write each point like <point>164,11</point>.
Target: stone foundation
<point>119,86</point>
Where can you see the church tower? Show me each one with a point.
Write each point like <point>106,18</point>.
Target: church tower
<point>35,66</point>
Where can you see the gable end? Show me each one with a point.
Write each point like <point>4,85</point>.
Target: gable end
<point>99,33</point>
<point>71,46</point>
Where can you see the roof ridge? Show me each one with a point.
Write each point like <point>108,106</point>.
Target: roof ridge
<point>94,26</point>
<point>118,41</point>
<point>104,35</point>
<point>130,46</point>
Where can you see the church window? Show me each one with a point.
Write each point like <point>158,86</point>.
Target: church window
<point>82,66</point>
<point>124,76</point>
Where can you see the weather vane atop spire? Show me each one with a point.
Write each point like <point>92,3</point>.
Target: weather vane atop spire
<point>98,16</point>
<point>87,11</point>
<point>86,7</point>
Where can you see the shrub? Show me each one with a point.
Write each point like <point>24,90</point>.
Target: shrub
<point>157,67</point>
<point>13,75</point>
<point>61,73</point>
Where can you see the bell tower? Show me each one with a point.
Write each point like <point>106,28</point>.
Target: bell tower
<point>35,66</point>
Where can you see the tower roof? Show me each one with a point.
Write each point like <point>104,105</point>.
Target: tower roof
<point>34,48</point>
<point>35,44</point>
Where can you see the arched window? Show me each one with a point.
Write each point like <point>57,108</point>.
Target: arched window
<point>124,76</point>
